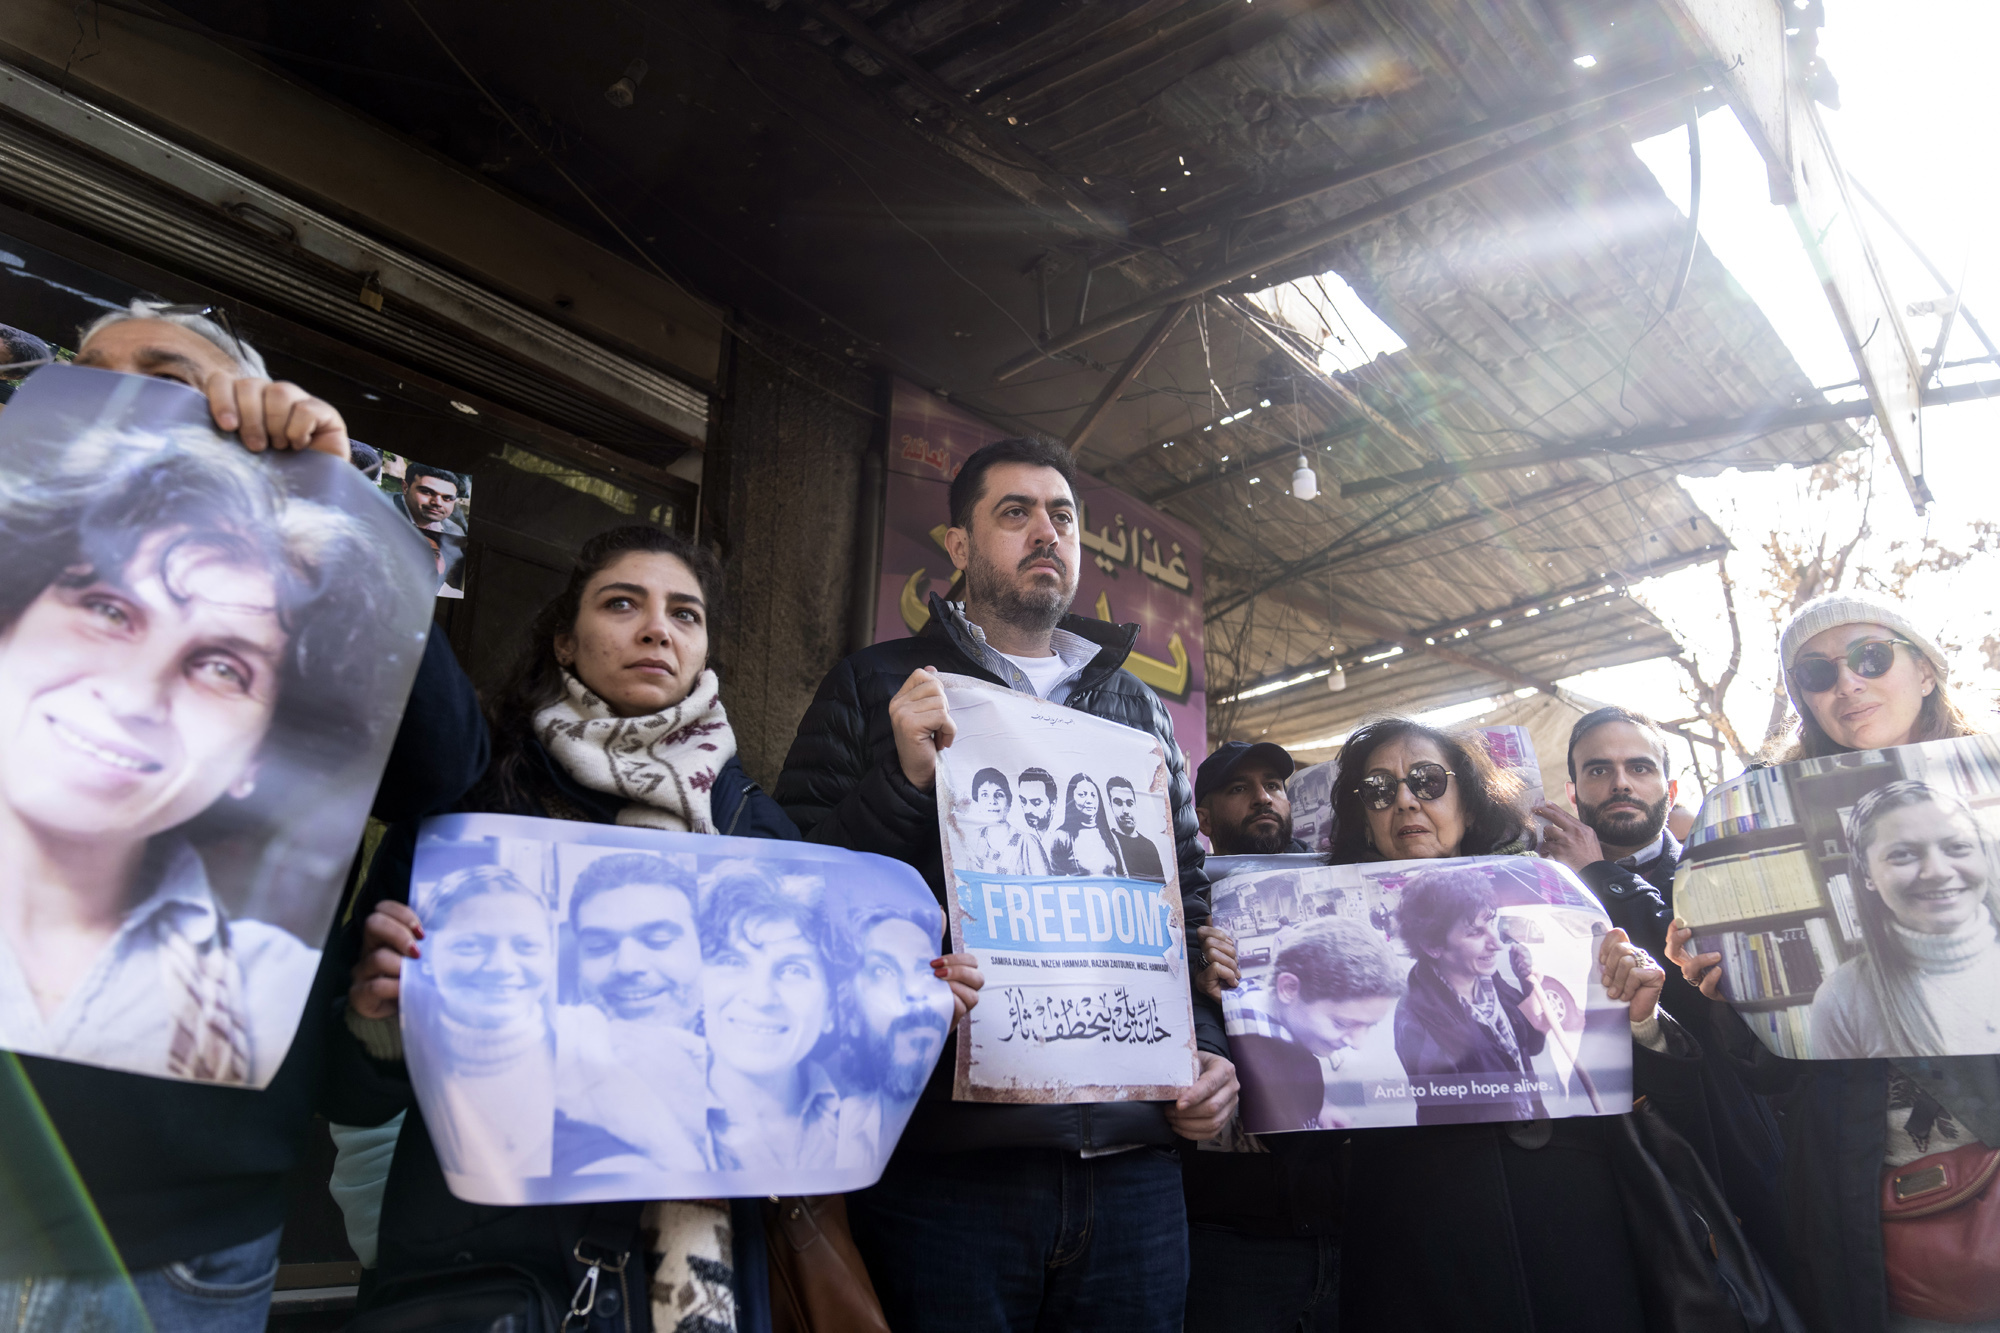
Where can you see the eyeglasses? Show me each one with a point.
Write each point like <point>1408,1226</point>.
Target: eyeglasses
<point>1868,658</point>
<point>1427,782</point>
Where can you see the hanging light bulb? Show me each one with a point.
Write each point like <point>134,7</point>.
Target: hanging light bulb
<point>1336,680</point>
<point>1305,486</point>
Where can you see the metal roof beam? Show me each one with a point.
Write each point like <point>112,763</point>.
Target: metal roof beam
<point>1155,338</point>
<point>985,126</point>
<point>1182,489</point>
<point>1756,71</point>
<point>1614,112</point>
<point>1389,634</point>
<point>1511,118</point>
<point>1331,556</point>
<point>1649,437</point>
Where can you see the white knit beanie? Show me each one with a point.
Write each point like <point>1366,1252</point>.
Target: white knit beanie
<point>1845,608</point>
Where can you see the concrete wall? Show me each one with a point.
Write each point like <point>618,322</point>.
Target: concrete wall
<point>781,487</point>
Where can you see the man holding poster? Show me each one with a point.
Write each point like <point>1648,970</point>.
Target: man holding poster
<point>1067,1213</point>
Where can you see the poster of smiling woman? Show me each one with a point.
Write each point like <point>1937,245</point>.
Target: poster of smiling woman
<point>1059,848</point>
<point>1850,901</point>
<point>618,1013</point>
<point>204,658</point>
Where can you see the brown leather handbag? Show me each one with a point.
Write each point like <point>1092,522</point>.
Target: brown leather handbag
<point>818,1282</point>
<point>1941,1235</point>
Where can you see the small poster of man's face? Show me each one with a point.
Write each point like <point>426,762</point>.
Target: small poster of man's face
<point>438,503</point>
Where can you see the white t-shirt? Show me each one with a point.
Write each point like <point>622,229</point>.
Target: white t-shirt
<point>1042,672</point>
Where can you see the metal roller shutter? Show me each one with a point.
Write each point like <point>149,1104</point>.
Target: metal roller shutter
<point>107,176</point>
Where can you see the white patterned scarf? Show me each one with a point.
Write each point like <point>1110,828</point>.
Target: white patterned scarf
<point>693,1288</point>
<point>663,764</point>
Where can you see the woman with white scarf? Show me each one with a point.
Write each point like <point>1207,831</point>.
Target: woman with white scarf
<point>611,715</point>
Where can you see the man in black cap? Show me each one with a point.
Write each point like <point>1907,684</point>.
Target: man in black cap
<point>1264,1215</point>
<point>1239,797</point>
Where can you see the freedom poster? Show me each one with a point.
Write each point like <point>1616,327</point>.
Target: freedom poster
<point>1139,565</point>
<point>605,1013</point>
<point>1420,993</point>
<point>1059,857</point>
<point>1852,900</point>
<point>205,658</point>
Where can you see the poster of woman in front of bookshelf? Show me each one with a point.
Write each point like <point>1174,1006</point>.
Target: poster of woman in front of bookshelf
<point>1855,900</point>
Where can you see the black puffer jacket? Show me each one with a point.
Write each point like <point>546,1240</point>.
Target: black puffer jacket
<point>843,786</point>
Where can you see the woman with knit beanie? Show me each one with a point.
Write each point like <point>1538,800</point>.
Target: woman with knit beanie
<point>1862,677</point>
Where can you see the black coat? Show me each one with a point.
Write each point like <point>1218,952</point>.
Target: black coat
<point>1436,1036</point>
<point>425,1229</point>
<point>1509,1228</point>
<point>843,786</point>
<point>1835,1115</point>
<point>180,1169</point>
<point>1731,1125</point>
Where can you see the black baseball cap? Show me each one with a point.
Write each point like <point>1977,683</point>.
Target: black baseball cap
<point>1220,766</point>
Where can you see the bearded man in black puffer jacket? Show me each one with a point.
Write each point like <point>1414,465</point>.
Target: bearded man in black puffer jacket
<point>997,1216</point>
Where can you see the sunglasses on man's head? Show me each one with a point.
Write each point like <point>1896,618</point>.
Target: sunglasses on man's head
<point>1427,782</point>
<point>215,314</point>
<point>1868,658</point>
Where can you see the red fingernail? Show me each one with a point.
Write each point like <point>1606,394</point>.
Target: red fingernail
<point>415,952</point>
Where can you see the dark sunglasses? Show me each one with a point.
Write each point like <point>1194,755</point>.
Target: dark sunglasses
<point>1869,658</point>
<point>1427,782</point>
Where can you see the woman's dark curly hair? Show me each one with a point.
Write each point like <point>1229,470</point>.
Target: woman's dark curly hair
<point>1437,902</point>
<point>536,680</point>
<point>1486,795</point>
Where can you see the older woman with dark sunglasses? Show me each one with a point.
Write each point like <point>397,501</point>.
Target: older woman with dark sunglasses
<point>1404,791</point>
<point>1407,792</point>
<point>1862,677</point>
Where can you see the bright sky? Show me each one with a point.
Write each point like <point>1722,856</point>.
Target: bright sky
<point>1913,82</point>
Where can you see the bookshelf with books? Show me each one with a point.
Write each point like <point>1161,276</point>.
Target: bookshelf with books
<point>1766,880</point>
<point>1757,802</point>
<point>1827,789</point>
<point>1968,766</point>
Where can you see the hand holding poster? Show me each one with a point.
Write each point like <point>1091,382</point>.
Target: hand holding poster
<point>1421,992</point>
<point>205,656</point>
<point>1852,900</point>
<point>1068,891</point>
<point>604,1013</point>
